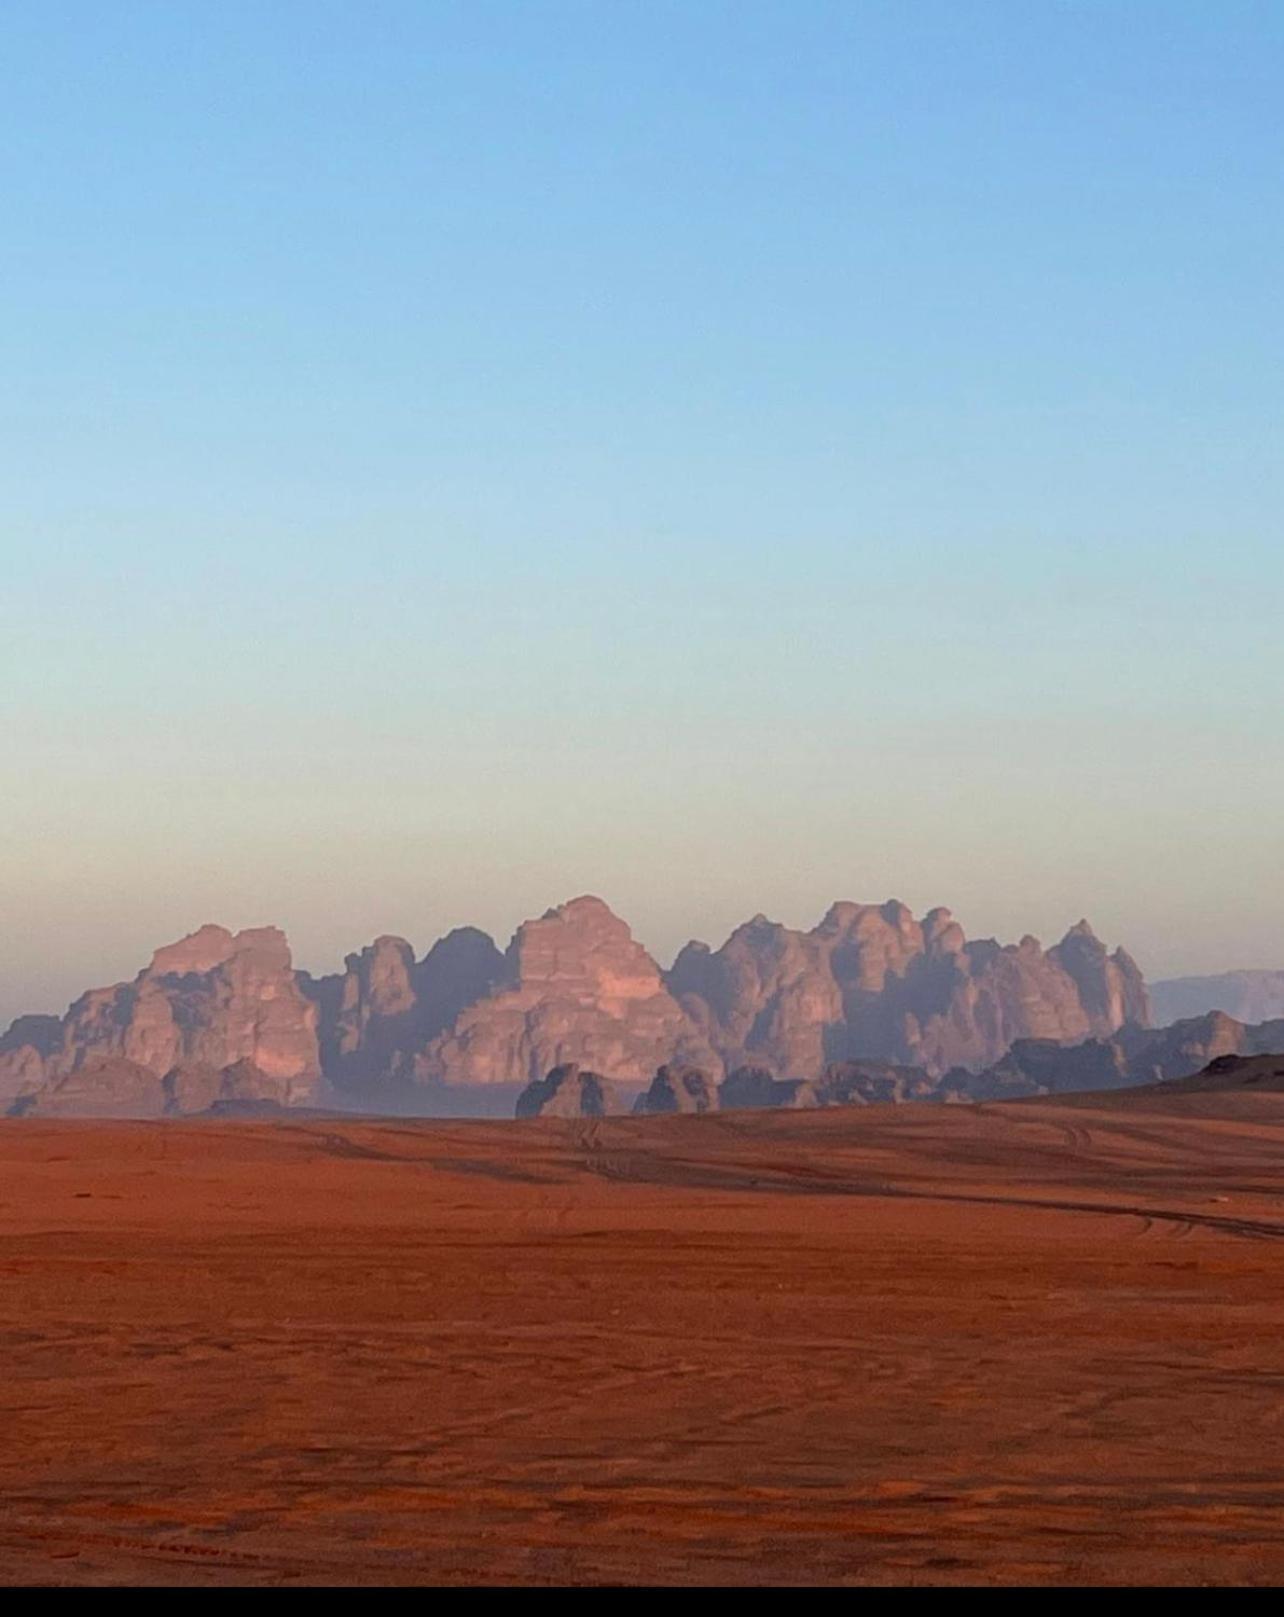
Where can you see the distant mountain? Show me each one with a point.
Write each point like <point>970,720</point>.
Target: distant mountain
<point>868,983</point>
<point>1248,996</point>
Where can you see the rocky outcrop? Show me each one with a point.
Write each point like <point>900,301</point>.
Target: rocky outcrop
<point>112,1086</point>
<point>1134,1056</point>
<point>1263,1074</point>
<point>874,982</point>
<point>1248,996</point>
<point>576,988</point>
<point>24,1052</point>
<point>678,1089</point>
<point>213,999</point>
<point>384,1009</point>
<point>195,1088</point>
<point>868,1083</point>
<point>755,1086</point>
<point>1042,1067</point>
<point>569,1091</point>
<point>101,1086</point>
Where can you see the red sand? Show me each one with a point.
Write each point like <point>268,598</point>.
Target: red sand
<point>917,1345</point>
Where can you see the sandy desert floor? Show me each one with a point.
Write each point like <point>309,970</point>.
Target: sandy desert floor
<point>1024,1342</point>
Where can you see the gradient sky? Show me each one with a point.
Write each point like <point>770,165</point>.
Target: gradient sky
<point>723,456</point>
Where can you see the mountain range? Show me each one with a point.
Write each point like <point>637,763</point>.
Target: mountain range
<point>226,1019</point>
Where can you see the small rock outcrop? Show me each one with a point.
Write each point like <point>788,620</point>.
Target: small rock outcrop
<point>570,1091</point>
<point>1263,1074</point>
<point>196,1088</point>
<point>679,1089</point>
<point>756,1086</point>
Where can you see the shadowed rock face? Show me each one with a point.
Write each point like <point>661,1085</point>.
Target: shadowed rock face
<point>1261,1073</point>
<point>755,1086</point>
<point>1134,1056</point>
<point>213,999</point>
<point>866,1083</point>
<point>385,1008</point>
<point>679,1089</point>
<point>871,981</point>
<point>570,1092</point>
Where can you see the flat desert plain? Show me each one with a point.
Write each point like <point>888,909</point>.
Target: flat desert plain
<point>1029,1342</point>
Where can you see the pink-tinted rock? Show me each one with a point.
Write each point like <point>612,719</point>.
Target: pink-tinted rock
<point>577,988</point>
<point>213,999</point>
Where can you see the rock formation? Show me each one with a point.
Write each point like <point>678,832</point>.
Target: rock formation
<point>385,1008</point>
<point>113,1086</point>
<point>569,1091</point>
<point>1265,1074</point>
<point>679,1089</point>
<point>1248,996</point>
<point>213,999</point>
<point>871,981</point>
<point>195,1088</point>
<point>576,988</point>
<point>756,1086</point>
<point>869,984</point>
<point>867,1083</point>
<point>1134,1056</point>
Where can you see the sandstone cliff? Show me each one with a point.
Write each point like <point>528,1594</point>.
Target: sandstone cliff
<point>214,999</point>
<point>576,988</point>
<point>872,981</point>
<point>383,1011</point>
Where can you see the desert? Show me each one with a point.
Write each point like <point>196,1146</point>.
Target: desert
<point>1022,1342</point>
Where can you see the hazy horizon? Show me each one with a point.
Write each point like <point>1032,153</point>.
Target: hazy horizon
<point>720,458</point>
<point>107,955</point>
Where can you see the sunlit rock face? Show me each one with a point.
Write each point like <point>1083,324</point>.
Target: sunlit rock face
<point>576,988</point>
<point>213,999</point>
<point>871,981</point>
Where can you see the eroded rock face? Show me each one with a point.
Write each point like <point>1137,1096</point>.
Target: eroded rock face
<point>576,988</point>
<point>101,1086</point>
<point>195,1088</point>
<point>872,982</point>
<point>111,1086</point>
<point>679,1089</point>
<point>379,1014</point>
<point>213,999</point>
<point>569,1091</point>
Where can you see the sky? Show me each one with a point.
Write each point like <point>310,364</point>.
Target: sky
<point>720,456</point>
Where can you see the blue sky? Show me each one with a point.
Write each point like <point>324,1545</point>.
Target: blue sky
<point>722,456</point>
